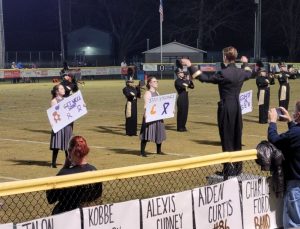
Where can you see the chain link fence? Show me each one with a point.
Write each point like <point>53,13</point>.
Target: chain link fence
<point>28,206</point>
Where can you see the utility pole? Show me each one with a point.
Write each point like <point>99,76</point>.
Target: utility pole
<point>62,47</point>
<point>2,40</point>
<point>257,30</point>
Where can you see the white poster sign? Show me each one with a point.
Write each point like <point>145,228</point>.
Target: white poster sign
<point>7,226</point>
<point>246,101</point>
<point>261,208</point>
<point>160,107</point>
<point>150,67</point>
<point>218,206</point>
<point>66,111</point>
<point>69,219</point>
<point>169,211</point>
<point>125,215</point>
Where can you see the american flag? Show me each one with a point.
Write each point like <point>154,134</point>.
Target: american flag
<point>161,11</point>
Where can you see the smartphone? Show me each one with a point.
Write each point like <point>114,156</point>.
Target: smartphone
<point>279,114</point>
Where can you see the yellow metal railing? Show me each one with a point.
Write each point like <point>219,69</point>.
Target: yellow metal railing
<point>39,184</point>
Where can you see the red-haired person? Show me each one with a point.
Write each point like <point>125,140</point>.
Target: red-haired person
<point>230,81</point>
<point>73,197</point>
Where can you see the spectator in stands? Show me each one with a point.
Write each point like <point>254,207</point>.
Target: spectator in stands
<point>73,197</point>
<point>123,68</point>
<point>289,144</point>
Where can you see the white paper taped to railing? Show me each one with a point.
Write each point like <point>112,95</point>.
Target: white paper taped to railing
<point>125,215</point>
<point>261,208</point>
<point>168,211</point>
<point>218,205</point>
<point>69,219</point>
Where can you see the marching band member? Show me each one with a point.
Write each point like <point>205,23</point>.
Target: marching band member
<point>263,94</point>
<point>181,86</point>
<point>284,86</point>
<point>132,93</point>
<point>230,81</point>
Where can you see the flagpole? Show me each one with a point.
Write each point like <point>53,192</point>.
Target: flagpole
<point>161,31</point>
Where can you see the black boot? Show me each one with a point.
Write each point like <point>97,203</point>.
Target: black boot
<point>158,149</point>
<point>54,157</point>
<point>143,146</point>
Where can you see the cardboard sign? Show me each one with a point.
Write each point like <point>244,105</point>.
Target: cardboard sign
<point>218,206</point>
<point>261,208</point>
<point>160,107</point>
<point>169,211</point>
<point>246,101</point>
<point>69,219</point>
<point>124,215</point>
<point>7,226</point>
<point>66,111</point>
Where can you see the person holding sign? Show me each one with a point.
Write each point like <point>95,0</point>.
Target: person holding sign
<point>181,85</point>
<point>230,81</point>
<point>132,93</point>
<point>152,131</point>
<point>289,144</point>
<point>59,140</point>
<point>73,197</point>
<point>263,94</point>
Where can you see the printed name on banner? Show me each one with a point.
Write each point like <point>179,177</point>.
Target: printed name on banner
<point>124,215</point>
<point>218,206</point>
<point>257,212</point>
<point>169,211</point>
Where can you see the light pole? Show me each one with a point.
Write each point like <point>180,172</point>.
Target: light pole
<point>257,30</point>
<point>62,47</point>
<point>2,44</point>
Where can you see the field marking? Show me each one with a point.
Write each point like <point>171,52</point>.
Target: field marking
<point>10,178</point>
<point>96,147</point>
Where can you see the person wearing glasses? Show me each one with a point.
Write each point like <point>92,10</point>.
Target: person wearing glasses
<point>181,85</point>
<point>152,131</point>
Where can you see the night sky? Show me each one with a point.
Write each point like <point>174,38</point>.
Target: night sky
<point>32,25</point>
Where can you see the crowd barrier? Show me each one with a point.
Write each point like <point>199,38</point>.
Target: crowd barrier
<point>22,201</point>
<point>104,71</point>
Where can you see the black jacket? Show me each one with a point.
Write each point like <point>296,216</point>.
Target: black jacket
<point>270,159</point>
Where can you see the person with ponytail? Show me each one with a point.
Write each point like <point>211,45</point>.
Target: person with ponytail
<point>74,197</point>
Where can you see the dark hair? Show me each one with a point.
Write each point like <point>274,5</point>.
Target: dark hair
<point>78,146</point>
<point>54,91</point>
<point>230,53</point>
<point>148,81</point>
<point>129,71</point>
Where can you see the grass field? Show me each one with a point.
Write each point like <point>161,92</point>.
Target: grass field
<point>25,130</point>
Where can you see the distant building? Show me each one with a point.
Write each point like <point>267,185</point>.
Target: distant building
<point>173,51</point>
<point>90,45</point>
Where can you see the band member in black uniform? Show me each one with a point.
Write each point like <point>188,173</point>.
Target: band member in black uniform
<point>263,94</point>
<point>181,85</point>
<point>284,86</point>
<point>230,81</point>
<point>69,84</point>
<point>131,92</point>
